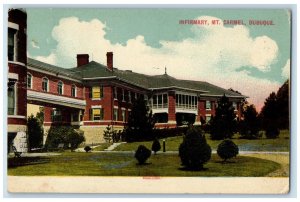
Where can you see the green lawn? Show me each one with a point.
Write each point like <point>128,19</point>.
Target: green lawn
<point>124,164</point>
<point>102,146</point>
<point>279,144</point>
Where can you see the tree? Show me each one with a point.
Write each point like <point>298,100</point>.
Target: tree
<point>223,124</point>
<point>283,106</point>
<point>227,149</point>
<point>142,154</point>
<point>35,132</point>
<point>249,127</point>
<point>66,135</point>
<point>194,152</point>
<point>275,112</point>
<point>140,122</point>
<point>156,146</point>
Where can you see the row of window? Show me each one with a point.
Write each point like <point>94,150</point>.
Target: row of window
<point>97,114</point>
<point>45,86</point>
<point>208,105</point>
<point>186,101</point>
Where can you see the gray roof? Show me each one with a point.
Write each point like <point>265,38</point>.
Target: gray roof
<point>94,70</point>
<point>53,69</point>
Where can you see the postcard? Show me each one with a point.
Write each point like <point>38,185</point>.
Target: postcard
<point>148,100</point>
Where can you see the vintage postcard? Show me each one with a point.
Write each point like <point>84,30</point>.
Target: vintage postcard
<point>148,100</point>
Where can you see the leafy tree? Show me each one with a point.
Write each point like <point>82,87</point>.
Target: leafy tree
<point>249,127</point>
<point>140,122</point>
<point>35,132</point>
<point>283,106</point>
<point>227,149</point>
<point>64,134</point>
<point>275,112</point>
<point>142,154</point>
<point>156,146</point>
<point>194,152</point>
<point>223,124</point>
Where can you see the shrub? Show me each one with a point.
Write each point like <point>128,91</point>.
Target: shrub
<point>35,132</point>
<point>142,154</point>
<point>64,134</point>
<point>227,149</point>
<point>87,148</point>
<point>194,152</point>
<point>272,132</point>
<point>156,146</point>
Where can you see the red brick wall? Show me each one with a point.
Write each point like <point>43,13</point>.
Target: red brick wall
<point>37,84</point>
<point>172,103</point>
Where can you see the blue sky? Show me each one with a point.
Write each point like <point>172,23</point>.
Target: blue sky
<point>251,59</point>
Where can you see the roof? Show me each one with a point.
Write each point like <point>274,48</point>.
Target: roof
<point>52,69</point>
<point>94,70</point>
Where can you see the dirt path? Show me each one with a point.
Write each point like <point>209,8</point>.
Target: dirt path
<point>282,159</point>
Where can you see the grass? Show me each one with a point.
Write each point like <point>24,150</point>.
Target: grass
<point>102,146</point>
<point>279,144</point>
<point>124,164</point>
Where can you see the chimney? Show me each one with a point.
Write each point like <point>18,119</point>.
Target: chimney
<point>109,57</point>
<point>82,59</point>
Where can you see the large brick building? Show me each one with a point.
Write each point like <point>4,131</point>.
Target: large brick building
<point>16,84</point>
<point>92,96</point>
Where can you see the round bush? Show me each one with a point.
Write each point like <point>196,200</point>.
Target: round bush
<point>142,154</point>
<point>227,149</point>
<point>156,146</point>
<point>87,148</point>
<point>194,152</point>
<point>272,132</point>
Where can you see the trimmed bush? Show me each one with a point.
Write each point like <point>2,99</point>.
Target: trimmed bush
<point>227,149</point>
<point>142,154</point>
<point>272,132</point>
<point>66,135</point>
<point>87,148</point>
<point>194,152</point>
<point>156,146</point>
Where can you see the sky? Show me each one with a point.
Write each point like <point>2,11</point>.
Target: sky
<point>252,59</point>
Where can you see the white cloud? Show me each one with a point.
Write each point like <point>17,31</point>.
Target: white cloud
<point>213,54</point>
<point>286,69</point>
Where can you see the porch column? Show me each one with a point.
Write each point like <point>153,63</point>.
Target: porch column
<point>171,107</point>
<point>198,116</point>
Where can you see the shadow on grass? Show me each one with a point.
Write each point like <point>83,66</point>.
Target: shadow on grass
<point>24,161</point>
<point>143,164</point>
<point>192,169</point>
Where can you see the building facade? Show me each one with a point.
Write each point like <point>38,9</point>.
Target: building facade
<point>92,96</point>
<point>16,83</point>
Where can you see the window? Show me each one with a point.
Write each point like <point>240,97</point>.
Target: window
<point>234,105</point>
<point>11,98</point>
<point>207,105</point>
<point>97,114</point>
<point>186,101</point>
<point>115,93</point>
<point>29,81</point>
<point>123,95</point>
<point>56,115</point>
<point>45,84</point>
<point>160,101</point>
<point>11,44</point>
<point>74,117</point>
<point>73,91</point>
<point>96,92</point>
<point>60,87</point>
<point>123,115</point>
<point>165,100</point>
<point>115,114</point>
<point>207,118</point>
<point>129,96</point>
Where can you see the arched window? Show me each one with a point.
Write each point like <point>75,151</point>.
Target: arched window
<point>73,91</point>
<point>60,87</point>
<point>45,85</point>
<point>29,80</point>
